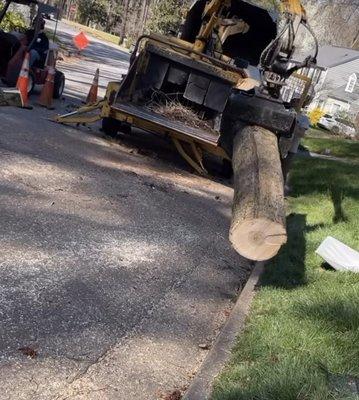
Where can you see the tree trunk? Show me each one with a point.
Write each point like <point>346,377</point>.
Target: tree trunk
<point>258,217</point>
<point>144,16</point>
<point>124,22</point>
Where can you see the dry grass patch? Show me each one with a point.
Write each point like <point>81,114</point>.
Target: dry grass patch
<point>175,111</point>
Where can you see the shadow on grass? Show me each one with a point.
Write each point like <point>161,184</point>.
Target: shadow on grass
<point>339,313</point>
<point>335,180</point>
<point>312,175</point>
<point>287,270</point>
<point>336,195</point>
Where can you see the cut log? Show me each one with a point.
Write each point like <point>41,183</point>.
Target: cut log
<point>258,217</point>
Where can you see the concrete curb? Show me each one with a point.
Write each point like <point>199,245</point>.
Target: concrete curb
<point>220,353</point>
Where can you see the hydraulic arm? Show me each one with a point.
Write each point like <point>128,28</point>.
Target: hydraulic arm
<point>275,61</point>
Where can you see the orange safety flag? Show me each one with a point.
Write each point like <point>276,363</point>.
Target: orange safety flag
<point>81,41</point>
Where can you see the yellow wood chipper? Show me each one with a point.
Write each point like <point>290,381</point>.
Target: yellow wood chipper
<point>216,87</point>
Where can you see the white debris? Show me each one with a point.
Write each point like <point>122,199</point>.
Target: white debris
<point>338,255</point>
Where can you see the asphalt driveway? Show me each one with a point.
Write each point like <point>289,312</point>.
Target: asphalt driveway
<point>115,268</point>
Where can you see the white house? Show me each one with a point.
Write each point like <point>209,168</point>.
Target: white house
<point>335,81</point>
<point>339,90</point>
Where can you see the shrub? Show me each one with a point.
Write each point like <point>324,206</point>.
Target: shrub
<point>93,12</point>
<point>13,20</point>
<point>166,16</point>
<point>315,115</point>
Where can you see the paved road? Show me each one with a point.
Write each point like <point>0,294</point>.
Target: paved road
<point>112,61</point>
<point>115,265</point>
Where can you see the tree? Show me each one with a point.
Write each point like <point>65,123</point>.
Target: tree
<point>166,16</point>
<point>124,20</point>
<point>93,11</point>
<point>13,20</point>
<point>114,13</point>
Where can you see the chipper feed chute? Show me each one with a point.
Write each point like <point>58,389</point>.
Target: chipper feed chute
<point>225,72</point>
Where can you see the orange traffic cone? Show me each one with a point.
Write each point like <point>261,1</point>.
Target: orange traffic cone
<point>23,81</point>
<point>47,92</point>
<point>92,96</point>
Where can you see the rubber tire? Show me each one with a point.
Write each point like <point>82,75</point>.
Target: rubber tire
<point>110,126</point>
<point>124,128</point>
<point>227,169</point>
<point>59,84</point>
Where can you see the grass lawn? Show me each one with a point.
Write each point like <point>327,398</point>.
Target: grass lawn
<point>107,37</point>
<point>319,142</point>
<point>302,337</point>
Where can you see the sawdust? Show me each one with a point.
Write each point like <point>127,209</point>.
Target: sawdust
<point>176,111</point>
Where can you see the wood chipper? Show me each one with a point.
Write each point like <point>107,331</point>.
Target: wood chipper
<point>216,87</point>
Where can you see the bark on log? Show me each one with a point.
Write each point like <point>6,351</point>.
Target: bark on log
<point>258,216</point>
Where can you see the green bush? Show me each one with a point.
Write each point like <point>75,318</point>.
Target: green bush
<point>315,115</point>
<point>93,12</point>
<point>12,21</point>
<point>166,16</point>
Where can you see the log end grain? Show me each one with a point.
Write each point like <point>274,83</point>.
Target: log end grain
<point>258,239</point>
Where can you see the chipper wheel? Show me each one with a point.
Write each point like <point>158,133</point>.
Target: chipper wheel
<point>258,216</point>
<point>111,127</point>
<point>59,84</point>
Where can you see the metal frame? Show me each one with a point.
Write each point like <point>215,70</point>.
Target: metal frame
<point>308,83</point>
<point>179,45</point>
<point>80,116</point>
<point>106,108</point>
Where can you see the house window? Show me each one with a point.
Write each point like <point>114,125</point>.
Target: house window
<point>336,108</point>
<point>351,83</point>
<point>287,94</point>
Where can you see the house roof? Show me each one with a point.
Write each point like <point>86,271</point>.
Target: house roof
<point>341,94</point>
<point>332,56</point>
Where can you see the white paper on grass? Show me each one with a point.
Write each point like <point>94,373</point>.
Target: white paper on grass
<point>338,255</point>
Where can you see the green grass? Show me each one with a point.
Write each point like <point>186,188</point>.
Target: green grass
<point>302,337</point>
<point>319,133</point>
<point>319,142</point>
<point>107,37</point>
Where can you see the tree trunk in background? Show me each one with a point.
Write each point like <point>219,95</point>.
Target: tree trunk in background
<point>33,12</point>
<point>334,22</point>
<point>144,16</point>
<point>124,21</point>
